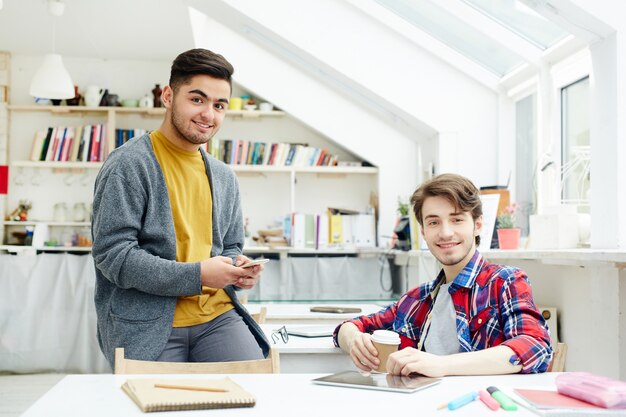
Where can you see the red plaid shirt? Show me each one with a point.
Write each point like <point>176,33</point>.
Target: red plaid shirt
<point>494,305</point>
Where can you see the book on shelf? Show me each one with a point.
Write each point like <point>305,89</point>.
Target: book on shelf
<point>124,135</point>
<point>70,144</point>
<point>37,145</point>
<point>243,152</point>
<point>187,394</point>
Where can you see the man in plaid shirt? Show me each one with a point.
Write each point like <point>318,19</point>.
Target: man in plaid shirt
<point>474,318</point>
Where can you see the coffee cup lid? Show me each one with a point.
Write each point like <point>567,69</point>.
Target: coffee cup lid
<point>386,337</point>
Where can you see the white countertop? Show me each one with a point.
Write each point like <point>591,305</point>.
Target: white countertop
<point>580,256</point>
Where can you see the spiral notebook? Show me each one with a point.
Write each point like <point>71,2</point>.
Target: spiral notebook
<point>151,398</point>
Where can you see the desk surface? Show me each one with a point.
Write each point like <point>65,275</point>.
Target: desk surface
<point>283,395</point>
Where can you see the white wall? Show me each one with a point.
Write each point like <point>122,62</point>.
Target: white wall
<point>400,74</point>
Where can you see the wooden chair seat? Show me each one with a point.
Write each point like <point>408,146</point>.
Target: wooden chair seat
<point>269,365</point>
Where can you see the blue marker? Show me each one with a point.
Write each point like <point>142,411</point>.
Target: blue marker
<point>460,402</point>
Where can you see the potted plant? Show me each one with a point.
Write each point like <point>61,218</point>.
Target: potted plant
<point>508,234</point>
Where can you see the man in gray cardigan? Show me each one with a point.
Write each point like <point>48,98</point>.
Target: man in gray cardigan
<point>148,231</point>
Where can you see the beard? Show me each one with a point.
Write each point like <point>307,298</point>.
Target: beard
<point>180,125</point>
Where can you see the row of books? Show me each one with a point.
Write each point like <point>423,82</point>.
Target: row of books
<point>243,152</point>
<point>68,143</point>
<point>325,230</point>
<point>124,135</point>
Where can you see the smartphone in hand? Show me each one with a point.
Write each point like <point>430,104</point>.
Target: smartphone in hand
<point>255,262</point>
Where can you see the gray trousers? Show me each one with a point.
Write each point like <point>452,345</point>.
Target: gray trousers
<point>226,338</point>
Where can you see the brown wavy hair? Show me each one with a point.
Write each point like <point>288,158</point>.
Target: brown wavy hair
<point>458,190</point>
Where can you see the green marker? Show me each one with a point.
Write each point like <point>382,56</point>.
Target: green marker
<point>505,402</point>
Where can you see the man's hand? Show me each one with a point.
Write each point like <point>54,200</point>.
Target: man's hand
<point>359,346</point>
<point>410,360</point>
<point>252,274</point>
<point>219,272</point>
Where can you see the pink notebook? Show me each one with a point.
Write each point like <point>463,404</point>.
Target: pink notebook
<point>546,400</point>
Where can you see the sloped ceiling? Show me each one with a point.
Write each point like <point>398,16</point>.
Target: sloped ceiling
<point>110,29</point>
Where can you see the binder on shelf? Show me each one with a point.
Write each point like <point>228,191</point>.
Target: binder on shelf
<point>298,231</point>
<point>363,230</point>
<point>322,231</point>
<point>309,231</point>
<point>346,227</point>
<point>336,229</point>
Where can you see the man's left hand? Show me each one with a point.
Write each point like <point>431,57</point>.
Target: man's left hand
<point>410,360</point>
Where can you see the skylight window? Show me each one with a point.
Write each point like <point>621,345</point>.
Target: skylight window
<point>456,34</point>
<point>522,20</point>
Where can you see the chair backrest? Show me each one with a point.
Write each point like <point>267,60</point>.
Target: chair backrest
<point>269,365</point>
<point>260,316</point>
<point>558,358</point>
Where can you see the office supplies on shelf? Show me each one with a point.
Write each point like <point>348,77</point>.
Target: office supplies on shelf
<point>195,396</point>
<point>459,402</point>
<point>505,402</point>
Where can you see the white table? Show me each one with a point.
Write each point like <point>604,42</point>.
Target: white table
<point>308,354</point>
<point>285,313</point>
<point>284,395</point>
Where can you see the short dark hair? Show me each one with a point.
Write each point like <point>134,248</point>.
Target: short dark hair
<point>458,190</point>
<point>199,61</point>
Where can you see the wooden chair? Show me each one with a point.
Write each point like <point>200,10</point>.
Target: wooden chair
<point>558,358</point>
<point>269,365</point>
<point>260,316</point>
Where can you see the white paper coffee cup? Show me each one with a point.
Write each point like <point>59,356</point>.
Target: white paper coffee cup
<point>386,342</point>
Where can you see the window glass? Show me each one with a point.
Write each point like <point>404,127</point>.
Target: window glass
<point>575,145</point>
<point>456,34</point>
<point>523,20</point>
<point>525,167</point>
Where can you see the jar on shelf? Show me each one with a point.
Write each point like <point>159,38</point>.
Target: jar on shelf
<point>60,212</point>
<point>80,212</point>
<point>28,240</point>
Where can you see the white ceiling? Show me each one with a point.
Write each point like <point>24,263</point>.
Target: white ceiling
<point>110,29</point>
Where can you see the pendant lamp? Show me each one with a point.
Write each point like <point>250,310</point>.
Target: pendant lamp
<point>52,79</point>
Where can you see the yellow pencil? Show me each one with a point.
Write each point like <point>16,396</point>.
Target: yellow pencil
<point>190,388</point>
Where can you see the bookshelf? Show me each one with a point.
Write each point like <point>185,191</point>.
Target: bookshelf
<point>267,190</point>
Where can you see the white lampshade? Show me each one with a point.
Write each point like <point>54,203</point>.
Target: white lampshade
<point>52,79</point>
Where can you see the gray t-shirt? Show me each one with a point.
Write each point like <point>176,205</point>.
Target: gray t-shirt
<point>441,338</point>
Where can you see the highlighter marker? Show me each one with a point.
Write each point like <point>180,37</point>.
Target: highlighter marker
<point>489,401</point>
<point>505,402</point>
<point>461,401</point>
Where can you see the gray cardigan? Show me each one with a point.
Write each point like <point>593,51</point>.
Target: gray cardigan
<point>134,250</point>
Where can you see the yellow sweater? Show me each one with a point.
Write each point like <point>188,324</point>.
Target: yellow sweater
<point>191,200</point>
